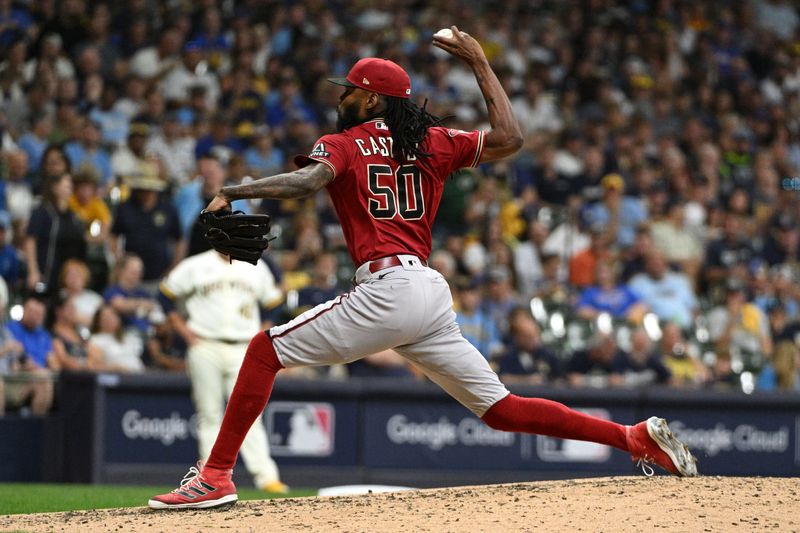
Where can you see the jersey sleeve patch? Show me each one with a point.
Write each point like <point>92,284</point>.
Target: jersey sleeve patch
<point>331,150</point>
<point>319,151</point>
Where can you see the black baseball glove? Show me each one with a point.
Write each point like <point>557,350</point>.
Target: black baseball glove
<point>237,235</point>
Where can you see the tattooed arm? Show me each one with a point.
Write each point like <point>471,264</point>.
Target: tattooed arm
<point>296,184</point>
<point>505,137</point>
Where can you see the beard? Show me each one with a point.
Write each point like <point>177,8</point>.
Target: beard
<point>347,117</point>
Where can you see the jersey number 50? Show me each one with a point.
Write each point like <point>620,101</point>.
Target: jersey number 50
<point>401,192</point>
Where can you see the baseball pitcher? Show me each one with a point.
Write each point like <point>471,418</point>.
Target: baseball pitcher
<point>384,171</point>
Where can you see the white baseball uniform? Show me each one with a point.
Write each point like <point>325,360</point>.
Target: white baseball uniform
<point>222,301</point>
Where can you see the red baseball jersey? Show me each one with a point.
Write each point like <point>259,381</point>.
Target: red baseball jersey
<point>386,208</point>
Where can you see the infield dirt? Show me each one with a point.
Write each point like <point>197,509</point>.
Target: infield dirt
<point>621,504</point>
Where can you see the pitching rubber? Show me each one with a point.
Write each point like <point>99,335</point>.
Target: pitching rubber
<point>681,457</point>
<point>225,502</point>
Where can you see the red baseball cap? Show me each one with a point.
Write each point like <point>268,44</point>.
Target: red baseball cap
<point>379,76</point>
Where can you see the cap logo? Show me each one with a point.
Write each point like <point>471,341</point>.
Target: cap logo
<point>365,81</point>
<point>408,91</point>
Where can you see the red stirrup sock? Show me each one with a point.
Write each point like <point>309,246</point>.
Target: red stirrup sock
<point>545,417</point>
<point>247,401</point>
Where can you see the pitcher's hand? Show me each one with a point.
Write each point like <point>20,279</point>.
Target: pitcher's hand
<point>462,45</point>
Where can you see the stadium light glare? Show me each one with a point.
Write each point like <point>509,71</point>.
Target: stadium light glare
<point>651,326</point>
<point>15,313</point>
<point>604,323</point>
<point>538,310</point>
<point>557,325</point>
<point>748,382</point>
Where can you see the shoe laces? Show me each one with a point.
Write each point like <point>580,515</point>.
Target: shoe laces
<point>644,464</point>
<point>188,478</point>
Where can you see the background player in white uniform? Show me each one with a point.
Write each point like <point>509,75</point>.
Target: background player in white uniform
<point>223,301</point>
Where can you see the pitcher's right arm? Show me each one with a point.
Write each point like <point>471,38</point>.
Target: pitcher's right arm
<point>505,137</point>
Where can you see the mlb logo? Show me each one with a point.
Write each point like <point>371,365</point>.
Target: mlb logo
<point>300,429</point>
<point>553,450</point>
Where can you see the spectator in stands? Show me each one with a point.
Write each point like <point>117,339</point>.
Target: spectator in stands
<point>150,227</point>
<point>477,325</point>
<point>783,370</point>
<point>174,148</point>
<point>552,287</point>
<point>121,350</point>
<point>567,238</point>
<point>443,261</point>
<point>51,58</point>
<point>54,235</point>
<point>669,294</point>
<point>87,151</point>
<point>133,101</point>
<point>263,158</point>
<point>165,349</point>
<point>535,108</point>
<point>10,348</point>
<point>323,286</point>
<point>31,333</point>
<point>785,291</point>
<point>71,350</point>
<point>22,380</point>
<point>35,142</point>
<point>175,85</point>
<point>602,364</point>
<point>677,245</point>
<point>646,366</point>
<point>11,263</point>
<point>526,360</point>
<point>93,211</point>
<point>113,123</point>
<point>287,101</point>
<point>684,364</point>
<point>528,258</point>
<point>740,328</point>
<point>154,62</point>
<point>582,265</point>
<point>620,214</point>
<point>128,297</point>
<point>195,195</point>
<point>553,187</point>
<point>728,255</point>
<point>73,283</point>
<point>500,297</point>
<point>782,242</point>
<point>19,200</point>
<point>129,159</point>
<point>607,296</point>
<point>54,163</point>
<point>219,143</point>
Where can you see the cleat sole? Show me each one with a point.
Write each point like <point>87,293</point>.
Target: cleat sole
<point>682,458</point>
<point>221,504</point>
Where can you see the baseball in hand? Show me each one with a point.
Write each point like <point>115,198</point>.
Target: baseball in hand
<point>445,33</point>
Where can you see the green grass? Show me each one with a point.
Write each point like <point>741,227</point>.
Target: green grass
<point>16,498</point>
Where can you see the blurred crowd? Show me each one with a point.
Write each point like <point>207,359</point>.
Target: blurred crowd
<point>646,233</point>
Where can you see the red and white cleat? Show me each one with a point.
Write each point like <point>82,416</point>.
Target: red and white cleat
<point>199,489</point>
<point>652,442</point>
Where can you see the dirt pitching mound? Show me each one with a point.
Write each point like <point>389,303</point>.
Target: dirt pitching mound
<point>619,504</point>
